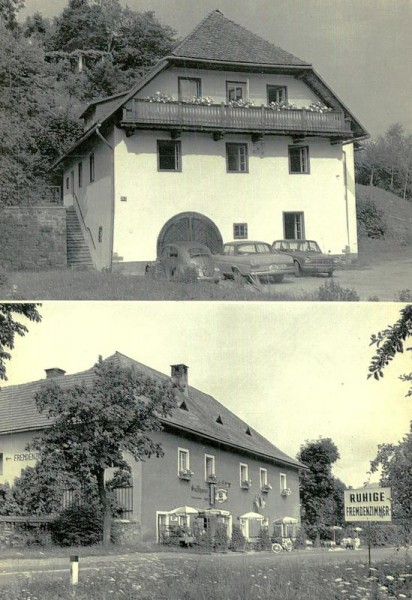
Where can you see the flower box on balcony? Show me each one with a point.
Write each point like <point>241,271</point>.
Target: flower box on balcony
<point>211,478</point>
<point>245,485</point>
<point>266,488</point>
<point>286,492</point>
<point>186,474</point>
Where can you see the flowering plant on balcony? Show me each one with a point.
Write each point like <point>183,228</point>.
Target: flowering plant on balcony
<point>241,103</point>
<point>317,107</point>
<point>266,488</point>
<point>246,484</point>
<point>186,473</point>
<point>202,100</point>
<point>286,492</point>
<point>282,106</point>
<point>160,97</point>
<point>212,478</point>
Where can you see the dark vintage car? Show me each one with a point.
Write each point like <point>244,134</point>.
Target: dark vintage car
<point>185,261</point>
<point>245,259</point>
<point>307,256</point>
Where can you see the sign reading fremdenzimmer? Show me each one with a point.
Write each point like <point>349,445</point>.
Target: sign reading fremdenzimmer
<point>368,504</point>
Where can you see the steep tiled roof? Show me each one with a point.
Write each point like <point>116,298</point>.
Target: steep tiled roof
<point>218,38</point>
<point>18,412</point>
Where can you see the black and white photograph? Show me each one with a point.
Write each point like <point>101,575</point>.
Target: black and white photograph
<point>205,300</point>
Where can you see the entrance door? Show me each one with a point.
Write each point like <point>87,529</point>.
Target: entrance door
<point>190,227</point>
<point>294,225</point>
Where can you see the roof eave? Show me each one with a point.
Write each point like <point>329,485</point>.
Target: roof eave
<point>236,64</point>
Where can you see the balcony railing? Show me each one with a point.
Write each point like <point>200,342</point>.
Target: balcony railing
<point>220,117</point>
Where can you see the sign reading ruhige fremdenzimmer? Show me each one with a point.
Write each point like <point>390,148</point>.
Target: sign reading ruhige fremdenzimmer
<point>373,504</point>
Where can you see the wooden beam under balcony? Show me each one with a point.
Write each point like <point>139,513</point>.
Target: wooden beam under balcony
<point>218,118</point>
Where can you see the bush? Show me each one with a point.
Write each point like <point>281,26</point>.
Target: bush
<point>331,291</point>
<point>370,219</point>
<point>403,296</point>
<point>221,540</point>
<point>263,542</point>
<point>238,540</point>
<point>203,539</point>
<point>78,526</point>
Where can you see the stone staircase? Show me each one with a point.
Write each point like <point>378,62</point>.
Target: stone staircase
<point>78,253</point>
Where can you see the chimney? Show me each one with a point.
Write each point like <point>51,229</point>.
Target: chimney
<point>180,378</point>
<point>54,372</point>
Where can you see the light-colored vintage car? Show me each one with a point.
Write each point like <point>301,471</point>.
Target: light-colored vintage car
<point>185,261</point>
<point>307,256</point>
<point>246,259</point>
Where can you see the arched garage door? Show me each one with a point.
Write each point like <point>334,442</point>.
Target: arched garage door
<point>191,227</point>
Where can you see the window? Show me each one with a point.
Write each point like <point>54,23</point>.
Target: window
<point>299,159</point>
<point>168,153</point>
<point>244,473</point>
<point>1,463</point>
<point>240,231</point>
<point>183,460</point>
<point>277,93</point>
<point>80,174</point>
<point>283,482</point>
<point>228,250</point>
<point>294,225</point>
<point>91,166</point>
<point>67,183</point>
<point>189,87</point>
<point>263,474</point>
<point>209,466</point>
<point>100,234</point>
<point>235,90</point>
<point>237,158</point>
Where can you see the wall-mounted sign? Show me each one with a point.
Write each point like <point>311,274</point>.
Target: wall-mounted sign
<point>26,456</point>
<point>218,493</point>
<point>368,504</point>
<point>221,494</point>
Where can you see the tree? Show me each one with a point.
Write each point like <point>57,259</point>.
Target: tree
<point>10,327</point>
<point>8,12</point>
<point>320,493</point>
<point>395,461</point>
<point>390,342</point>
<point>92,426</point>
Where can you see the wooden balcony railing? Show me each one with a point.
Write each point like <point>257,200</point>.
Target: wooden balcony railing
<point>178,115</point>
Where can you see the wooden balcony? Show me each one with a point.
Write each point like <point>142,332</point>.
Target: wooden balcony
<point>178,116</point>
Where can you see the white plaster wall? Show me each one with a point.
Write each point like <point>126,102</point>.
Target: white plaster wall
<point>258,198</point>
<point>95,198</point>
<point>15,457</point>
<point>214,85</point>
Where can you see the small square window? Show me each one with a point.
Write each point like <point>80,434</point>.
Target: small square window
<point>240,231</point>
<point>100,235</point>
<point>91,165</point>
<point>237,158</point>
<point>169,153</point>
<point>277,94</point>
<point>80,174</point>
<point>299,159</point>
<point>67,183</point>
<point>235,90</point>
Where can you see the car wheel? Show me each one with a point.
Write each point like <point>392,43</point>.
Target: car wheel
<point>298,269</point>
<point>330,273</point>
<point>278,278</point>
<point>276,548</point>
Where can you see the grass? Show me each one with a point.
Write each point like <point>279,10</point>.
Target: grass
<point>181,579</point>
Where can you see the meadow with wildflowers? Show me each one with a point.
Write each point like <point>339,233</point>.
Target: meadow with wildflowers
<point>157,577</point>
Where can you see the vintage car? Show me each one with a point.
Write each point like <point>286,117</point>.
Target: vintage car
<point>185,261</point>
<point>245,259</point>
<point>307,256</point>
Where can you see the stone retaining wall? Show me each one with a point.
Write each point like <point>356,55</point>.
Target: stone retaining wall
<point>126,532</point>
<point>33,237</point>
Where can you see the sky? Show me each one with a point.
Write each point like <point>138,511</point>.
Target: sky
<point>362,48</point>
<point>292,371</point>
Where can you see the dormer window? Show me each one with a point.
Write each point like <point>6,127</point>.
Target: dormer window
<point>189,88</point>
<point>277,94</point>
<point>236,90</point>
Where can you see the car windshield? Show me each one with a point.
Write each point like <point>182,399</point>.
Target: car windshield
<point>254,249</point>
<point>309,247</point>
<point>197,252</point>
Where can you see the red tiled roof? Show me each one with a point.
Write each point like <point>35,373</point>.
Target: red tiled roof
<point>18,412</point>
<point>219,38</point>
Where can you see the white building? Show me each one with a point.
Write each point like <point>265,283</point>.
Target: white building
<point>228,137</point>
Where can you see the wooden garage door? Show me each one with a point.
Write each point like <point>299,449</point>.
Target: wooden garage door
<point>191,227</point>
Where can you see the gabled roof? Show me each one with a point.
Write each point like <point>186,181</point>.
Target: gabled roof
<point>217,38</point>
<point>18,412</point>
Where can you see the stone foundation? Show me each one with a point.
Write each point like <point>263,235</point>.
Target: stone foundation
<point>126,532</point>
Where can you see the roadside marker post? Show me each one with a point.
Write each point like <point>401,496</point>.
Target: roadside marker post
<point>74,570</point>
